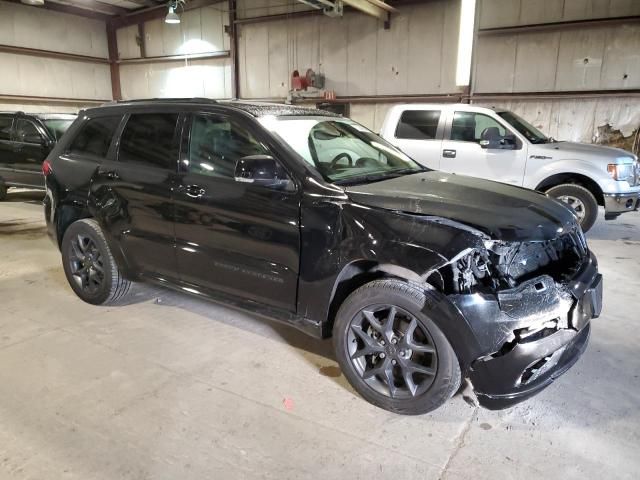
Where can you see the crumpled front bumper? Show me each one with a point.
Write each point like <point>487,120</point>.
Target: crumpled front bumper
<point>531,334</point>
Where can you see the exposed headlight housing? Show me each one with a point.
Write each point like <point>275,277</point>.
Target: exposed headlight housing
<point>621,171</point>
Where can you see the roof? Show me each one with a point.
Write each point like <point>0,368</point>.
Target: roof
<point>256,109</point>
<point>259,109</point>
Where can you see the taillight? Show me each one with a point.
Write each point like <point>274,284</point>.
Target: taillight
<point>46,168</point>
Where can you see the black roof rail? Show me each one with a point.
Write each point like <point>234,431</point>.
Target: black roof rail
<point>164,100</point>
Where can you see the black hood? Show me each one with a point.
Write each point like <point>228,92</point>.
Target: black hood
<point>501,211</point>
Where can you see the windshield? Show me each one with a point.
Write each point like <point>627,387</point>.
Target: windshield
<point>343,151</point>
<point>525,128</point>
<point>57,126</point>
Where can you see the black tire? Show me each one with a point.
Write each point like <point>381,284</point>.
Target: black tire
<point>588,202</point>
<point>3,192</point>
<point>107,287</point>
<point>407,299</point>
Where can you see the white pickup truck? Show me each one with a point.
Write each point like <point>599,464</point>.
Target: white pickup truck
<point>499,145</point>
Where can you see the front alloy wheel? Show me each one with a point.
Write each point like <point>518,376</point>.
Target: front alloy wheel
<point>390,349</point>
<point>393,354</point>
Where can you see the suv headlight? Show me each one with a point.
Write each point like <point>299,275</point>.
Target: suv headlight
<point>621,171</point>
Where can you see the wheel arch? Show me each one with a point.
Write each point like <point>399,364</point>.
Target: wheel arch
<point>359,272</point>
<point>574,178</point>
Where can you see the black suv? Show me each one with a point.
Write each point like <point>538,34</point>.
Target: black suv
<point>423,278</point>
<point>25,141</point>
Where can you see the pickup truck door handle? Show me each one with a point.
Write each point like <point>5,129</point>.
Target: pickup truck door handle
<point>110,174</point>
<point>449,153</point>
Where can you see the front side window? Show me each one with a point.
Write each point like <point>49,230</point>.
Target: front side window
<point>216,144</point>
<point>150,139</point>
<point>341,150</point>
<point>418,124</point>
<point>5,127</point>
<point>95,136</point>
<point>525,128</point>
<point>27,132</point>
<point>474,127</point>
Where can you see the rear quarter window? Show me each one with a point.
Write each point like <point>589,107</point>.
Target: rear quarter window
<point>418,124</point>
<point>95,136</point>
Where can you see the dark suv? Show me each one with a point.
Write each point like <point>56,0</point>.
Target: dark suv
<point>25,141</point>
<point>423,278</point>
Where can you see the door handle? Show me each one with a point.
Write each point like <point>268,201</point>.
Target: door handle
<point>449,153</point>
<point>194,191</point>
<point>110,174</point>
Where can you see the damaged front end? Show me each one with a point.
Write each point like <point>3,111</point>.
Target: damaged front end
<point>529,305</point>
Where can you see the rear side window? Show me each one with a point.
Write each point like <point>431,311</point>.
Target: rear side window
<point>418,124</point>
<point>95,136</point>
<point>150,139</point>
<point>5,128</point>
<point>27,132</point>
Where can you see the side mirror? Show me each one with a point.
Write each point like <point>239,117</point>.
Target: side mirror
<point>262,170</point>
<point>508,142</point>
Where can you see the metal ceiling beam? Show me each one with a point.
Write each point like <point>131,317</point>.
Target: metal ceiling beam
<point>93,5</point>
<point>367,7</point>
<point>72,10</point>
<point>35,52</point>
<point>158,11</point>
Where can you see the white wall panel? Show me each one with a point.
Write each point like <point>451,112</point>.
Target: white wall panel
<point>30,27</point>
<point>201,78</point>
<point>504,13</point>
<point>594,58</point>
<point>578,120</point>
<point>127,42</point>
<point>200,31</point>
<point>47,77</point>
<point>355,53</point>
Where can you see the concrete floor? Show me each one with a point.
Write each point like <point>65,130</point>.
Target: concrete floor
<point>171,387</point>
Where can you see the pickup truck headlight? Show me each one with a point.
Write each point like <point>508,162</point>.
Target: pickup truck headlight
<point>621,171</point>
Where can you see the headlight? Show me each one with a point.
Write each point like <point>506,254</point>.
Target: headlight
<point>621,172</point>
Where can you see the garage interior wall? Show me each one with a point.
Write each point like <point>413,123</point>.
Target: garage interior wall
<point>40,83</point>
<point>577,70</point>
<point>358,56</point>
<point>203,67</point>
<point>560,64</point>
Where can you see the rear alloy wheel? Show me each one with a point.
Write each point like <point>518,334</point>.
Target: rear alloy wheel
<point>581,200</point>
<point>89,266</point>
<point>391,352</point>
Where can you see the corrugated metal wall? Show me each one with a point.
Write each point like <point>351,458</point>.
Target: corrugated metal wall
<point>25,75</point>
<point>581,58</point>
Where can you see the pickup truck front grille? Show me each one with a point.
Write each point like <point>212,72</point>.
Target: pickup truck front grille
<point>636,173</point>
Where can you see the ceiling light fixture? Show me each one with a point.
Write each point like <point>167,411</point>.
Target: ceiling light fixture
<point>33,2</point>
<point>172,16</point>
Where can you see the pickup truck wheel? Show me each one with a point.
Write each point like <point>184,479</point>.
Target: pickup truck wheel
<point>391,351</point>
<point>89,265</point>
<point>580,199</point>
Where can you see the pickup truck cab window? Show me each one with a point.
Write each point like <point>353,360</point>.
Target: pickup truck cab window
<point>418,124</point>
<point>530,132</point>
<point>474,127</point>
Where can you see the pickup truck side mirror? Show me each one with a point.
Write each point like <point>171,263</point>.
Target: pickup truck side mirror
<point>506,142</point>
<point>262,170</point>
